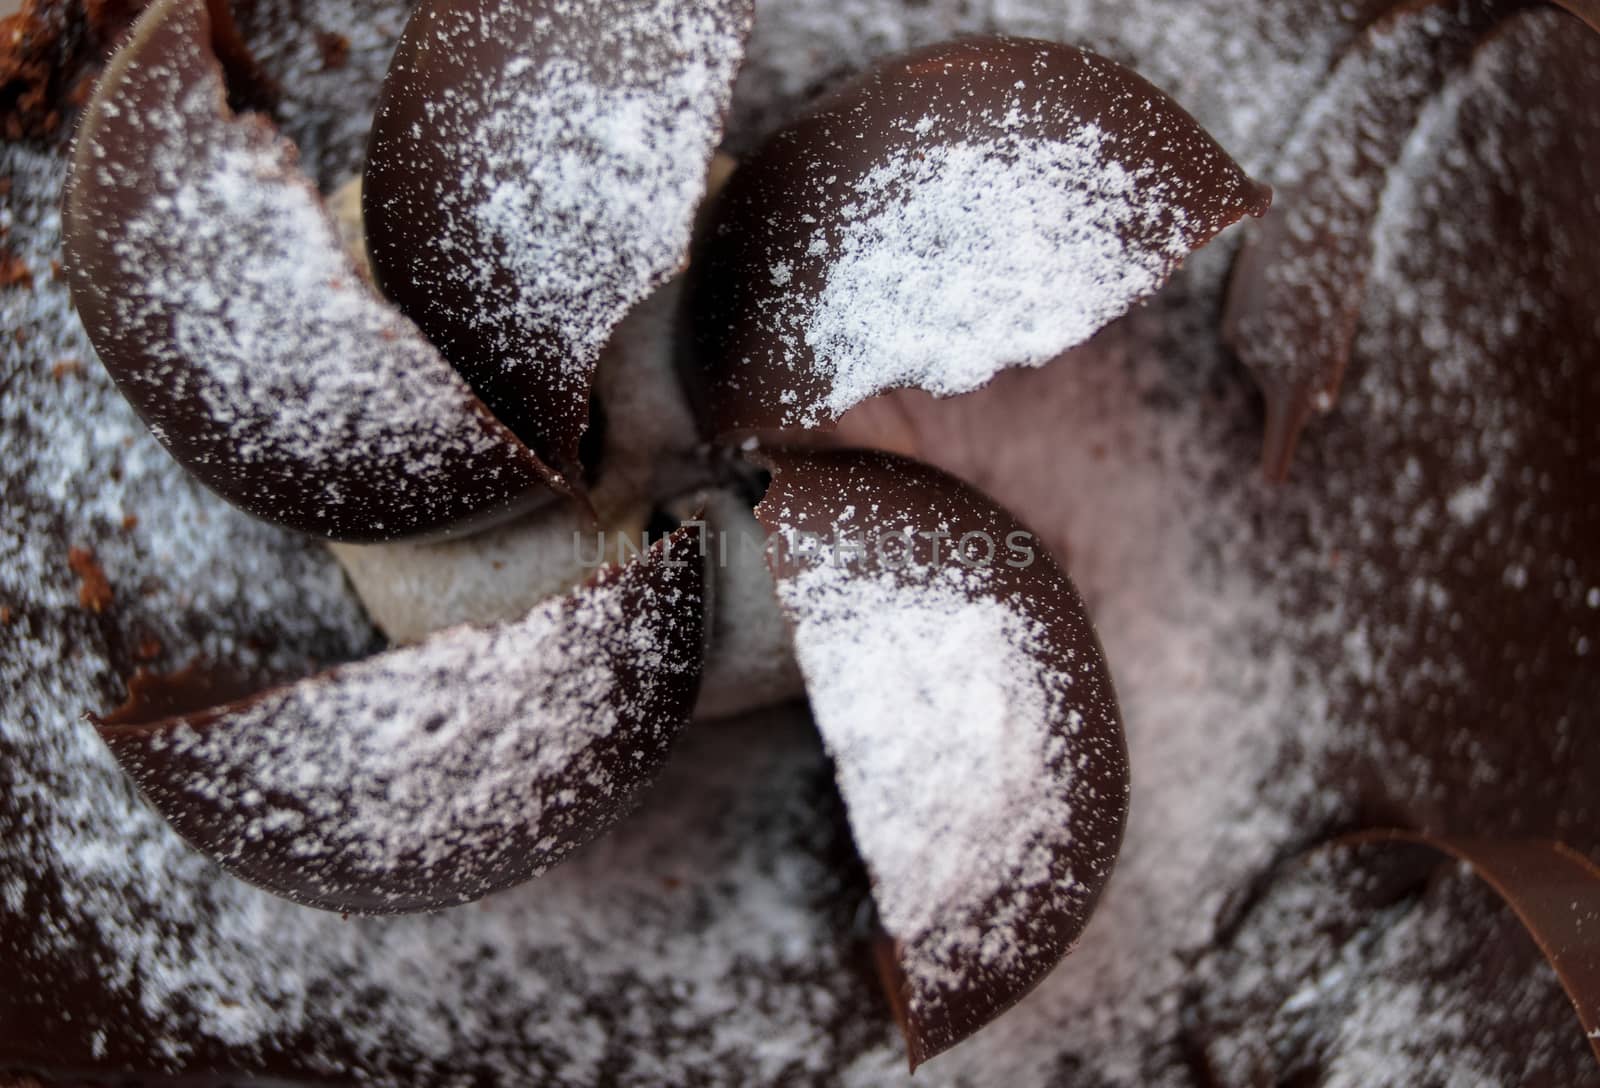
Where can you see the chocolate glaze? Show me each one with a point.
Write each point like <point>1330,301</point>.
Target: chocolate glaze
<point>866,492</point>
<point>296,838</point>
<point>788,204</point>
<point>442,118</point>
<point>446,469</point>
<point>1464,472</point>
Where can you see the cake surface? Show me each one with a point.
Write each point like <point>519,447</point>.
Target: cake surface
<point>1402,634</point>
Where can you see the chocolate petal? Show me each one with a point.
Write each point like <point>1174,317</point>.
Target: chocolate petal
<point>433,775</point>
<point>1555,893</point>
<point>1353,941</point>
<point>212,283</point>
<point>963,696</point>
<point>1294,301</point>
<point>534,172</point>
<point>961,209</point>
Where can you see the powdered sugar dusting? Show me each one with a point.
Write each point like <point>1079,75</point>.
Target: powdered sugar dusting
<point>940,719</point>
<point>430,773</point>
<point>970,718</point>
<point>927,288</point>
<point>297,353</point>
<point>704,942</point>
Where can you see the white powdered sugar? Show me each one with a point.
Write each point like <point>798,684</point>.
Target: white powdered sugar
<point>941,720</point>
<point>957,259</point>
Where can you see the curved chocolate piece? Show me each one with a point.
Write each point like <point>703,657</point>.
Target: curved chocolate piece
<point>1347,945</point>
<point>212,284</point>
<point>1294,299</point>
<point>963,696</point>
<point>433,775</point>
<point>962,209</point>
<point>533,173</point>
<point>1554,891</point>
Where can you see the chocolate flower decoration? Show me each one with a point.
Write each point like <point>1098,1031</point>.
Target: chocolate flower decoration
<point>1294,303</point>
<point>534,173</point>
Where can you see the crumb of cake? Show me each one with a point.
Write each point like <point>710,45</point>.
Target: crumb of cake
<point>335,49</point>
<point>94,590</point>
<point>149,648</point>
<point>45,49</point>
<point>130,522</point>
<point>5,615</point>
<point>14,271</point>
<point>66,368</point>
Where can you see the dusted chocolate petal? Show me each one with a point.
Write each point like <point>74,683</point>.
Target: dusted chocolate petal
<point>1555,892</point>
<point>963,697</point>
<point>436,774</point>
<point>533,173</point>
<point>213,286</point>
<point>1295,298</point>
<point>1365,958</point>
<point>965,208</point>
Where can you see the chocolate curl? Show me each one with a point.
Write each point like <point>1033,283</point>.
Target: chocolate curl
<point>1554,891</point>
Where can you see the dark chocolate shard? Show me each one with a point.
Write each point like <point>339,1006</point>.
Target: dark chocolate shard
<point>962,695</point>
<point>534,172</point>
<point>1294,301</point>
<point>959,210</point>
<point>432,775</point>
<point>213,286</point>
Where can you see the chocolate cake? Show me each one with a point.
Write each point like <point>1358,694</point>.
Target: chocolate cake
<point>1300,771</point>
